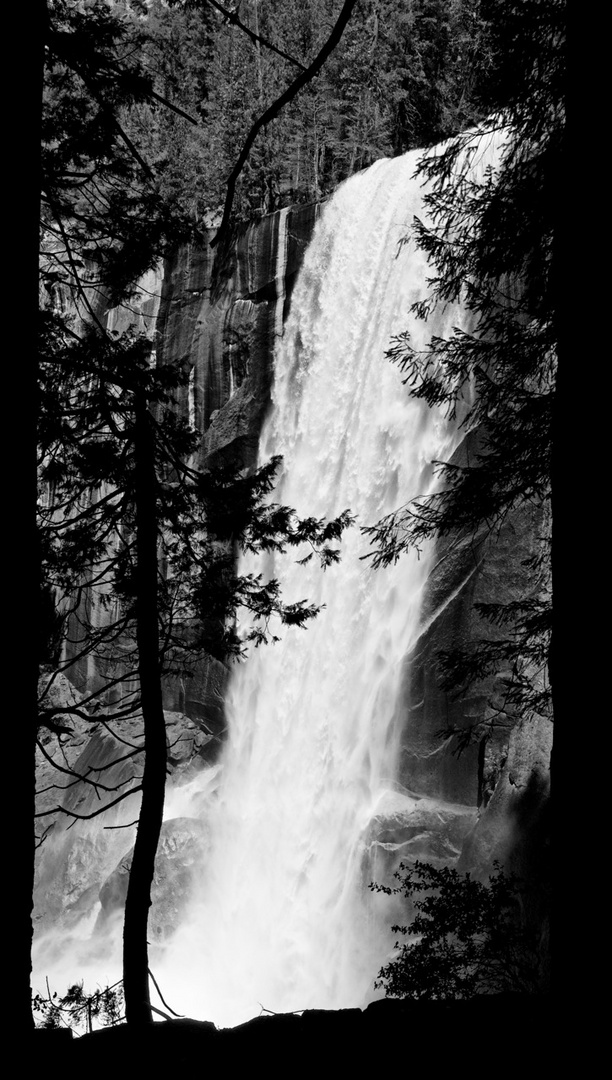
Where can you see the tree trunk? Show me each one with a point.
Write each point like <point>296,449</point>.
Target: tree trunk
<point>20,499</point>
<point>138,901</point>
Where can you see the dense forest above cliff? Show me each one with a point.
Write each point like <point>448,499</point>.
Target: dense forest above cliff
<point>403,76</point>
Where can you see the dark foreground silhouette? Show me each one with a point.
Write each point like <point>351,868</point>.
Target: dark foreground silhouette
<point>389,1037</point>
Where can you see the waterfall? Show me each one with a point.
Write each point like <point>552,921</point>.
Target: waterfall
<point>281,916</point>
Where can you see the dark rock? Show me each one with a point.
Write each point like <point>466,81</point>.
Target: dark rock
<point>219,321</point>
<point>513,817</point>
<point>426,1036</point>
<point>200,700</point>
<point>468,571</point>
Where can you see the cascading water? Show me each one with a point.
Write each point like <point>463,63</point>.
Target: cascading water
<point>280,915</point>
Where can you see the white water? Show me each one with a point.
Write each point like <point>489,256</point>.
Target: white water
<point>281,916</point>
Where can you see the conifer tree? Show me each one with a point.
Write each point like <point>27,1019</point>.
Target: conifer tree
<point>490,243</point>
<point>503,244</point>
<point>118,491</point>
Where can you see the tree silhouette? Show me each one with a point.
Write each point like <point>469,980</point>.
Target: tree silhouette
<point>118,489</point>
<point>499,242</point>
<point>490,242</point>
<point>465,937</point>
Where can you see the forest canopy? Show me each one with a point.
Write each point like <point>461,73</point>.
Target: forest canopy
<point>402,76</point>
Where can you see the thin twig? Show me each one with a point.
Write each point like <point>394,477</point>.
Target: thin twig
<point>232,17</point>
<point>164,1002</point>
<point>273,111</point>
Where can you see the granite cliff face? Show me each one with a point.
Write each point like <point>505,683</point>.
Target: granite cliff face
<point>224,331</point>
<point>506,773</point>
<point>488,803</point>
<point>219,317</point>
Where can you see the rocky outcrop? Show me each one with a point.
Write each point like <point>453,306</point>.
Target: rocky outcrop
<point>513,826</point>
<point>408,827</point>
<point>504,775</point>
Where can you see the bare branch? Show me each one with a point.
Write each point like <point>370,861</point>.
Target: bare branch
<point>174,108</point>
<point>232,17</point>
<point>163,1001</point>
<point>274,109</point>
<point>94,813</point>
<point>79,285</point>
<point>119,739</point>
<point>126,825</point>
<point>85,777</point>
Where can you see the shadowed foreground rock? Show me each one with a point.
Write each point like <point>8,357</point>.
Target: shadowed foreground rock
<point>508,1034</point>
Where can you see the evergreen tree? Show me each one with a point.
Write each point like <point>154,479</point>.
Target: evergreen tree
<point>465,936</point>
<point>104,219</point>
<point>401,76</point>
<point>117,490</point>
<point>490,244</point>
<point>493,241</point>
<point>156,539</point>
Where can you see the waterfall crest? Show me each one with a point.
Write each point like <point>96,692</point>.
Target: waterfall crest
<point>281,916</point>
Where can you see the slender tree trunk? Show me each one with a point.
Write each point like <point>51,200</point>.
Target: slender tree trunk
<point>138,901</point>
<point>20,653</point>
